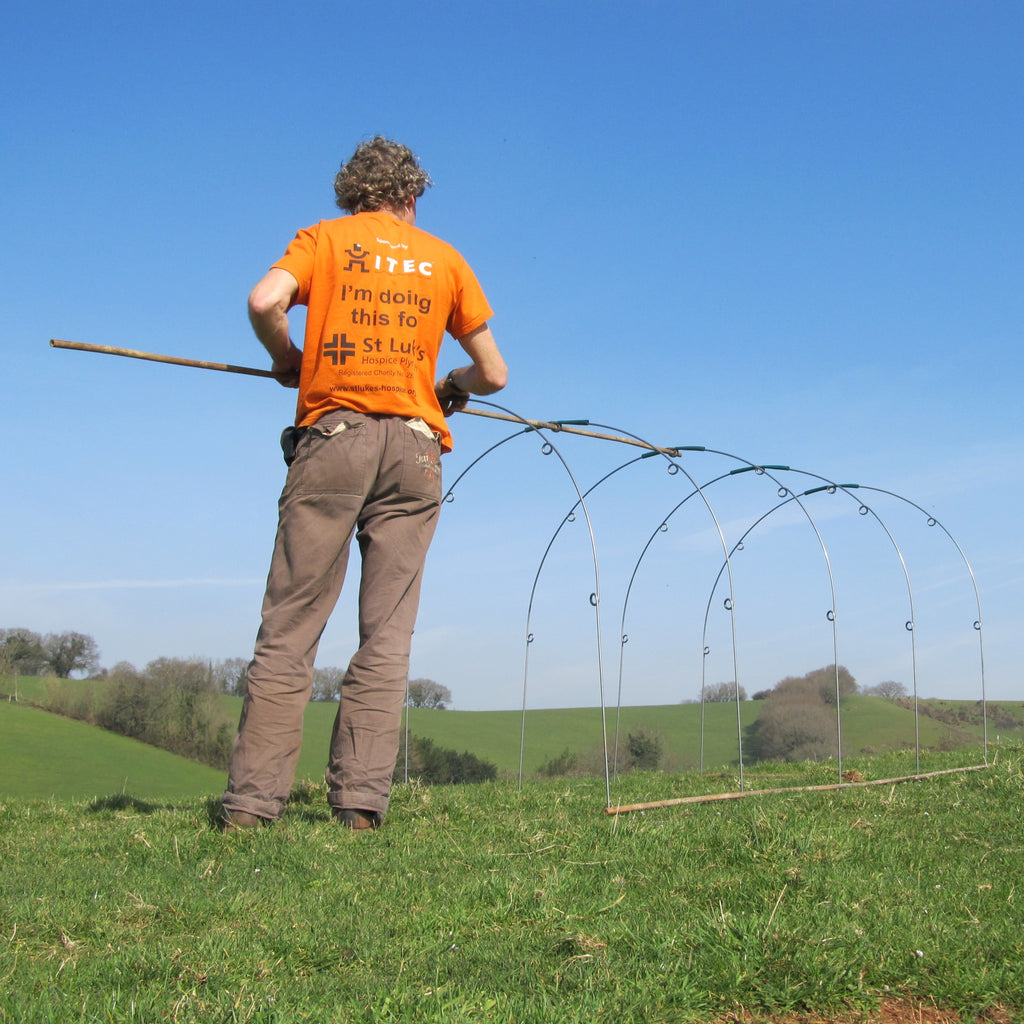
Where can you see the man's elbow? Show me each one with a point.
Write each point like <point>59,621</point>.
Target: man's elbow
<point>262,303</point>
<point>495,377</point>
<point>273,296</point>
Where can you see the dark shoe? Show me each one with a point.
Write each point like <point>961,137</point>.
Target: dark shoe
<point>235,821</point>
<point>355,820</point>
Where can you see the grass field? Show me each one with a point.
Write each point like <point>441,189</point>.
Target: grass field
<point>486,903</point>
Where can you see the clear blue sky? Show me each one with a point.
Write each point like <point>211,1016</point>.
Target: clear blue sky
<point>787,231</point>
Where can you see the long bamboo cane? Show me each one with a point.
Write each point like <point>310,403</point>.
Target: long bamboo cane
<point>81,346</point>
<point>202,364</point>
<point>740,795</point>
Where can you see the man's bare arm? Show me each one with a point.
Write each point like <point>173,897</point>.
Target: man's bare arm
<point>484,376</point>
<point>269,303</point>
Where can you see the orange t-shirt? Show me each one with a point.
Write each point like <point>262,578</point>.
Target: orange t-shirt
<point>380,295</point>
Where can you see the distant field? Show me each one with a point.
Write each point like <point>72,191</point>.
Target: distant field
<point>46,755</point>
<point>869,724</point>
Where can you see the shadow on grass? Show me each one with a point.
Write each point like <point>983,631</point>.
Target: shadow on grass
<point>308,802</point>
<point>214,813</point>
<point>124,802</point>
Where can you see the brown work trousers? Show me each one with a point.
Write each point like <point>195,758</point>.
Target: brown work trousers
<point>380,478</point>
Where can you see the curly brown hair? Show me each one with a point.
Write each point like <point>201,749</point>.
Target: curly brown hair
<point>380,173</point>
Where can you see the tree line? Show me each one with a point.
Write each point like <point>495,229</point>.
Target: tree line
<point>24,652</point>
<point>172,703</point>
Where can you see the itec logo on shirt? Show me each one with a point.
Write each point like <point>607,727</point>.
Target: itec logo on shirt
<point>358,258</point>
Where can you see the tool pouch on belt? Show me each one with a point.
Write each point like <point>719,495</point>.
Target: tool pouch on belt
<point>290,438</point>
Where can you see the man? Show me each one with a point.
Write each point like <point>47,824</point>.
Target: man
<point>364,459</point>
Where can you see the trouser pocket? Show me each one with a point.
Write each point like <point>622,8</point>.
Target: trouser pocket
<point>330,458</point>
<point>421,464</point>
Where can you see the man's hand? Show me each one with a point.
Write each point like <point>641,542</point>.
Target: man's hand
<point>487,374</point>
<point>286,371</point>
<point>450,396</point>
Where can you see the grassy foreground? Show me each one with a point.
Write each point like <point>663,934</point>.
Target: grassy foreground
<point>490,904</point>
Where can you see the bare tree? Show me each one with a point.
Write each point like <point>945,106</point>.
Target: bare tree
<point>229,676</point>
<point>723,693</point>
<point>425,693</point>
<point>889,688</point>
<point>327,683</point>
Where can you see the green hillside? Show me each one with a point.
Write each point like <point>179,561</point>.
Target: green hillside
<point>496,735</point>
<point>46,756</point>
<point>869,725</point>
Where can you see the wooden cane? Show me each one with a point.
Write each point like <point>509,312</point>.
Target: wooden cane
<point>741,794</point>
<point>201,364</point>
<point>556,426</point>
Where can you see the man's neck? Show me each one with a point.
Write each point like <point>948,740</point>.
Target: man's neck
<point>406,214</point>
